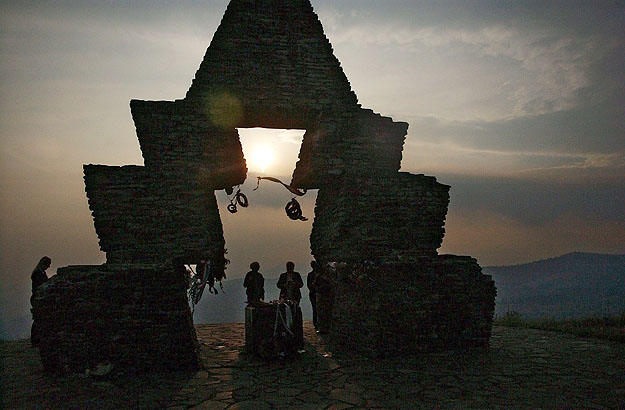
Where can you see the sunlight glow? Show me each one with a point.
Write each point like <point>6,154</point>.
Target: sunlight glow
<point>271,151</point>
<point>263,156</point>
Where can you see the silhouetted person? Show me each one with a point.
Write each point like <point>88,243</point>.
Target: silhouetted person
<point>324,287</point>
<point>290,283</point>
<point>38,277</point>
<point>312,293</point>
<point>255,284</point>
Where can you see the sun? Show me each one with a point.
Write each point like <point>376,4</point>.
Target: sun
<point>263,157</point>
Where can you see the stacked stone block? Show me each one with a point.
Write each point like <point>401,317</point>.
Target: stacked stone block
<point>349,142</point>
<point>180,141</point>
<point>392,217</point>
<point>133,317</point>
<point>142,216</point>
<point>432,303</point>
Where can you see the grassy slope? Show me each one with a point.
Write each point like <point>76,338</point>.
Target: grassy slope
<point>607,327</point>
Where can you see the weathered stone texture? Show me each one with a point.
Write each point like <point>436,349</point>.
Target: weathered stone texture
<point>346,143</point>
<point>379,217</point>
<point>135,317</point>
<point>272,54</point>
<point>182,142</point>
<point>146,216</point>
<point>434,303</point>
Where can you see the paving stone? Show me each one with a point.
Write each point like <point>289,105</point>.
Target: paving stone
<point>224,395</point>
<point>353,387</point>
<point>250,405</point>
<point>310,397</point>
<point>345,396</point>
<point>211,405</point>
<point>340,406</point>
<point>221,370</point>
<point>288,391</point>
<point>588,379</point>
<point>339,382</point>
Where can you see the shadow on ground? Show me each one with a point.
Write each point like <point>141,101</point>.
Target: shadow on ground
<point>524,369</point>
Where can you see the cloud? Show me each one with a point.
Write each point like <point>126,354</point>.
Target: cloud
<point>486,62</point>
<point>453,156</point>
<point>590,136</point>
<point>550,69</point>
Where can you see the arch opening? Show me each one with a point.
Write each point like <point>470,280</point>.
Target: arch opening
<point>263,232</point>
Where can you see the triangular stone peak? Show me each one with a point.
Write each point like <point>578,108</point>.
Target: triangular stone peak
<point>272,56</point>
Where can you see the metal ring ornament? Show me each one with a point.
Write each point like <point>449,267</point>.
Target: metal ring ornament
<point>294,210</point>
<point>232,208</point>
<point>242,199</point>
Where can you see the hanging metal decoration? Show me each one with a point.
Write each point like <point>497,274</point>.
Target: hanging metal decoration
<point>293,208</point>
<point>240,199</point>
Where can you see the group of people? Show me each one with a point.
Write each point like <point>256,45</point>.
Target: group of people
<point>320,286</point>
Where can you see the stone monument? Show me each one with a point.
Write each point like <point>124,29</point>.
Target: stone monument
<point>269,65</point>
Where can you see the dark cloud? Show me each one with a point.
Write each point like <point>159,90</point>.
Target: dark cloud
<point>533,202</point>
<point>588,129</point>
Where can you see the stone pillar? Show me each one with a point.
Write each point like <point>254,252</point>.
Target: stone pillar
<point>393,291</point>
<point>135,317</point>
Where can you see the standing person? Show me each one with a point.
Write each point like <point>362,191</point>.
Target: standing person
<point>255,284</point>
<point>290,283</point>
<point>324,286</point>
<point>38,277</point>
<point>312,293</point>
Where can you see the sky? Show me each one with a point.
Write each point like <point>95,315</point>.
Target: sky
<point>519,106</point>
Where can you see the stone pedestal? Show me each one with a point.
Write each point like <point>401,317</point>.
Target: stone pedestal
<point>265,331</point>
<point>436,303</point>
<point>135,317</point>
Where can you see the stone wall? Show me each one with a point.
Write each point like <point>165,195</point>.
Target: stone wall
<point>143,216</point>
<point>135,317</point>
<point>391,217</point>
<point>442,302</point>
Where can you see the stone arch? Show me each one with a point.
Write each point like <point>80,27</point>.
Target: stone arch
<point>271,65</point>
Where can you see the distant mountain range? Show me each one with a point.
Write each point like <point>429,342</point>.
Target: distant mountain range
<point>573,285</point>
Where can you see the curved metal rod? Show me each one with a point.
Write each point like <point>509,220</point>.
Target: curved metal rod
<point>292,190</point>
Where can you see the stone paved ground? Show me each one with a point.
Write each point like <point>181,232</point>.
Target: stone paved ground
<point>524,369</point>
